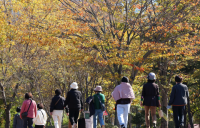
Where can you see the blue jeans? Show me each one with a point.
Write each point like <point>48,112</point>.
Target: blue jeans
<point>98,112</point>
<point>28,122</point>
<point>178,113</point>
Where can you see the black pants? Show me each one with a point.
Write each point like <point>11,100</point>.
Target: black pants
<point>178,113</point>
<point>73,115</point>
<point>39,126</point>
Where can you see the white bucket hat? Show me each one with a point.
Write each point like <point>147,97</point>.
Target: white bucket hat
<point>98,89</point>
<point>74,85</point>
<point>151,76</point>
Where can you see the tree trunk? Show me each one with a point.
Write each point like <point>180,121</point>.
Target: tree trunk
<point>7,110</point>
<point>162,64</point>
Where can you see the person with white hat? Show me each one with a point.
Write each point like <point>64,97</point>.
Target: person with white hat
<point>97,98</point>
<point>150,99</point>
<point>74,104</point>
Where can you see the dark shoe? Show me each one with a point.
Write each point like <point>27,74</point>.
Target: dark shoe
<point>154,125</point>
<point>122,126</point>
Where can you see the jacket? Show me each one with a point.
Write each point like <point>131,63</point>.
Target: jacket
<point>123,91</point>
<point>89,101</point>
<point>73,100</point>
<point>150,94</point>
<point>59,105</point>
<point>41,117</point>
<point>179,94</point>
<point>32,112</point>
<point>18,122</point>
<point>97,104</point>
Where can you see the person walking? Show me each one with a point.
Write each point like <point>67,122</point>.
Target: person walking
<point>73,104</point>
<point>97,105</point>
<point>30,107</point>
<point>178,100</point>
<point>18,122</point>
<point>150,99</point>
<point>56,108</point>
<point>41,117</point>
<point>123,95</point>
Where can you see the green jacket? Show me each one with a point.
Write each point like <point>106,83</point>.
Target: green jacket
<point>97,104</point>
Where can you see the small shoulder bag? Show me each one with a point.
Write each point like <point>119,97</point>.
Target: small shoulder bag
<point>25,114</point>
<point>103,108</point>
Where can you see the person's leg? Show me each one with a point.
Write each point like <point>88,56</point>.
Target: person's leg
<point>175,114</point>
<point>147,117</point>
<point>95,119</point>
<point>181,115</point>
<point>25,122</point>
<point>126,111</point>
<point>100,116</point>
<point>76,114</point>
<point>30,122</point>
<point>55,118</point>
<point>71,116</point>
<point>60,115</point>
<point>153,115</point>
<point>120,114</point>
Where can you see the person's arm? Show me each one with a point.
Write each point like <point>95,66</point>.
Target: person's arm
<point>172,95</point>
<point>52,105</point>
<point>103,99</point>
<point>22,109</point>
<point>158,94</point>
<point>67,102</point>
<point>142,96</point>
<point>35,119</point>
<point>35,109</point>
<point>14,122</point>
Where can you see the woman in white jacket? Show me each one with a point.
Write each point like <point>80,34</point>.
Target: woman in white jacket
<point>41,117</point>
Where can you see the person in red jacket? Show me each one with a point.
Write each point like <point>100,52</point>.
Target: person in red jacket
<point>32,111</point>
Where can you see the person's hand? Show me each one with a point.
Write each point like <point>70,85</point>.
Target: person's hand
<point>141,104</point>
<point>67,114</point>
<point>51,113</point>
<point>159,103</point>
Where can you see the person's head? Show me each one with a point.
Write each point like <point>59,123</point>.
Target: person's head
<point>28,95</point>
<point>125,79</point>
<point>151,77</point>
<point>98,89</point>
<point>58,92</point>
<point>40,106</point>
<point>74,85</point>
<point>18,109</point>
<point>178,79</point>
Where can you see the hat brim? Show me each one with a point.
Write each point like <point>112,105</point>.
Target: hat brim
<point>98,90</point>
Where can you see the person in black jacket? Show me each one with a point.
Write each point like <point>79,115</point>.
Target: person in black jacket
<point>178,100</point>
<point>57,107</point>
<point>150,99</point>
<point>73,104</point>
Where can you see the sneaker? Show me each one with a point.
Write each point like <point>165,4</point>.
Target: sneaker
<point>122,126</point>
<point>74,125</point>
<point>154,125</point>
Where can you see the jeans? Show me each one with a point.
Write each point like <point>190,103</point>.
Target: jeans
<point>99,113</point>
<point>122,113</point>
<point>178,113</point>
<point>28,122</point>
<point>57,118</point>
<point>73,115</point>
<point>153,115</point>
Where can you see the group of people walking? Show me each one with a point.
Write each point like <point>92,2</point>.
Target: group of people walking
<point>123,95</point>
